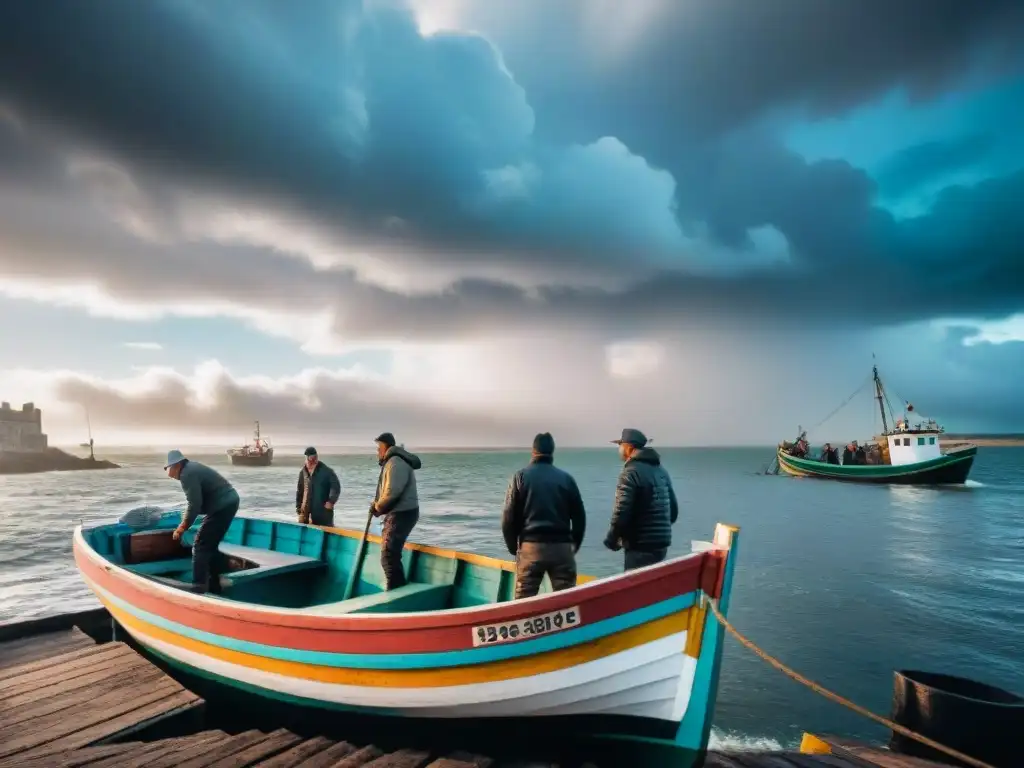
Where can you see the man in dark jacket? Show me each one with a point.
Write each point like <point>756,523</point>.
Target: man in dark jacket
<point>848,454</point>
<point>212,496</point>
<point>397,500</point>
<point>543,521</point>
<point>645,504</point>
<point>317,492</point>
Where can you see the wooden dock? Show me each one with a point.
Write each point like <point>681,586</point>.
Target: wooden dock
<point>67,700</point>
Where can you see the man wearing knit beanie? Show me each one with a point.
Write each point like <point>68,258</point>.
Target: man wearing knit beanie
<point>543,521</point>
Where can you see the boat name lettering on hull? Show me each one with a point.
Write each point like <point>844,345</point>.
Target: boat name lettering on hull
<point>530,626</point>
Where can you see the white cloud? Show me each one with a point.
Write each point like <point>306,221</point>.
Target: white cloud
<point>149,346</point>
<point>993,332</point>
<point>634,359</point>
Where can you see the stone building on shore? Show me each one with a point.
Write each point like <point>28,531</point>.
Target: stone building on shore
<point>21,431</point>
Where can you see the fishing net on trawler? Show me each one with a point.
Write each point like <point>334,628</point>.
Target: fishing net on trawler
<point>142,518</point>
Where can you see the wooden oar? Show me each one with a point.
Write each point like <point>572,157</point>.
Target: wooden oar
<point>357,563</point>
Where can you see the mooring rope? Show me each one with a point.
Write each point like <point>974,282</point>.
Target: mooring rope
<point>835,697</point>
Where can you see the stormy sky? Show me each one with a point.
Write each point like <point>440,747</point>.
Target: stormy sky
<point>466,221</point>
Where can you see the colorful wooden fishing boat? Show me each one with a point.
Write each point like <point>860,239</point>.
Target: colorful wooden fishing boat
<point>626,661</point>
<point>905,455</point>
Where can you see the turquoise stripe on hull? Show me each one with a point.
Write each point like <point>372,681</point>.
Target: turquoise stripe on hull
<point>627,748</point>
<point>567,639</point>
<point>695,729</point>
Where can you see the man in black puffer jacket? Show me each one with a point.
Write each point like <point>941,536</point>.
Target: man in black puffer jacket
<point>645,504</point>
<point>543,522</point>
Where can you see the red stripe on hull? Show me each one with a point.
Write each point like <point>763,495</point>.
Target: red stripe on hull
<point>391,634</point>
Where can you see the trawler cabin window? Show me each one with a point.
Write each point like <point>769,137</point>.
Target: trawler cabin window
<point>931,441</point>
<point>920,441</point>
<point>906,441</point>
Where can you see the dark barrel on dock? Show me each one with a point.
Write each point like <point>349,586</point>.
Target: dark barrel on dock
<point>976,719</point>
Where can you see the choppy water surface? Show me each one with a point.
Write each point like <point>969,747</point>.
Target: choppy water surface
<point>845,583</point>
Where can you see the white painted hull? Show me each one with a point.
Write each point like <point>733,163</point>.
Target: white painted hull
<point>650,681</point>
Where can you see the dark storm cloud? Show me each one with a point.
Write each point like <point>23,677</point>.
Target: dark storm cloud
<point>706,66</point>
<point>426,146</point>
<point>930,161</point>
<point>976,384</point>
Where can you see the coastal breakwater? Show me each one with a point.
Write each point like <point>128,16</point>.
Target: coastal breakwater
<point>48,460</point>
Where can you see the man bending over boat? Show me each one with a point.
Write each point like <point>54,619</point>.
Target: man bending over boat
<point>398,501</point>
<point>543,521</point>
<point>645,504</point>
<point>208,494</point>
<point>317,492</point>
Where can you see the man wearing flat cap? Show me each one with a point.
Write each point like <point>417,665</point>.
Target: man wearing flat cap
<point>398,502</point>
<point>543,521</point>
<point>317,492</point>
<point>645,504</point>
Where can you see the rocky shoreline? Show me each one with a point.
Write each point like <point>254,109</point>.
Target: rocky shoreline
<point>50,460</point>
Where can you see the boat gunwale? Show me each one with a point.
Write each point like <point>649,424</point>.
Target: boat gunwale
<point>441,619</point>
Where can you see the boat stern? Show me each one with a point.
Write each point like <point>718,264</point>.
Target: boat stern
<point>696,695</point>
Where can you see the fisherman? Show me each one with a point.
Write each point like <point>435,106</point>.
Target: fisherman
<point>397,501</point>
<point>848,454</point>
<point>210,495</point>
<point>543,521</point>
<point>825,452</point>
<point>317,492</point>
<point>645,504</point>
<point>829,454</point>
<point>859,455</point>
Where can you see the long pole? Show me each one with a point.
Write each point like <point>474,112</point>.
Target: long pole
<point>358,561</point>
<point>879,395</point>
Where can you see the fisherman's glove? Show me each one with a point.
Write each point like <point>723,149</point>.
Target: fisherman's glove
<point>612,542</point>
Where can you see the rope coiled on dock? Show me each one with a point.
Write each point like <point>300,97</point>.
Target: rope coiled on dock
<point>831,696</point>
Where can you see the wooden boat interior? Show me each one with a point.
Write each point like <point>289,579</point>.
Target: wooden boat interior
<point>303,567</point>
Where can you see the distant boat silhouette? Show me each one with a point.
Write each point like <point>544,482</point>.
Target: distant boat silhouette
<point>257,454</point>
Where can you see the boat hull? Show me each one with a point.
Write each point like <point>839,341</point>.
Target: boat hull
<point>949,469</point>
<point>637,662</point>
<point>603,739</point>
<point>252,460</point>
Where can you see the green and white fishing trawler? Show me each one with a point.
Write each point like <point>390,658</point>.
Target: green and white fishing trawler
<point>906,454</point>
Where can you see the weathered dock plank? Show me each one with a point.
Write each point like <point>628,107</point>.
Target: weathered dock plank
<point>460,759</point>
<point>28,649</point>
<point>403,758</point>
<point>342,750</point>
<point>296,755</point>
<point>79,695</point>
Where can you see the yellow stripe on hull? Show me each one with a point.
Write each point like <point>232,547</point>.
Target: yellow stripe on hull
<point>426,678</point>
<point>790,469</point>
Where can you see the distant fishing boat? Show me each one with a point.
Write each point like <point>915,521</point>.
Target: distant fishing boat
<point>628,661</point>
<point>259,453</point>
<point>905,455</point>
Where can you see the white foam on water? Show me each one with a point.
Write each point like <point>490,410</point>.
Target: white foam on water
<point>973,484</point>
<point>739,742</point>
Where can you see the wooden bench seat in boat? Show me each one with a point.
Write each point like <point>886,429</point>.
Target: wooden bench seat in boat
<point>408,599</point>
<point>267,561</point>
<point>252,563</point>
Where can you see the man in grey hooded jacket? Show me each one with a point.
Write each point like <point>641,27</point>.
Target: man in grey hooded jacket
<point>396,499</point>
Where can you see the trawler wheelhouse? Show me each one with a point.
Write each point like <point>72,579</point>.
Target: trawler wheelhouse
<point>911,445</point>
